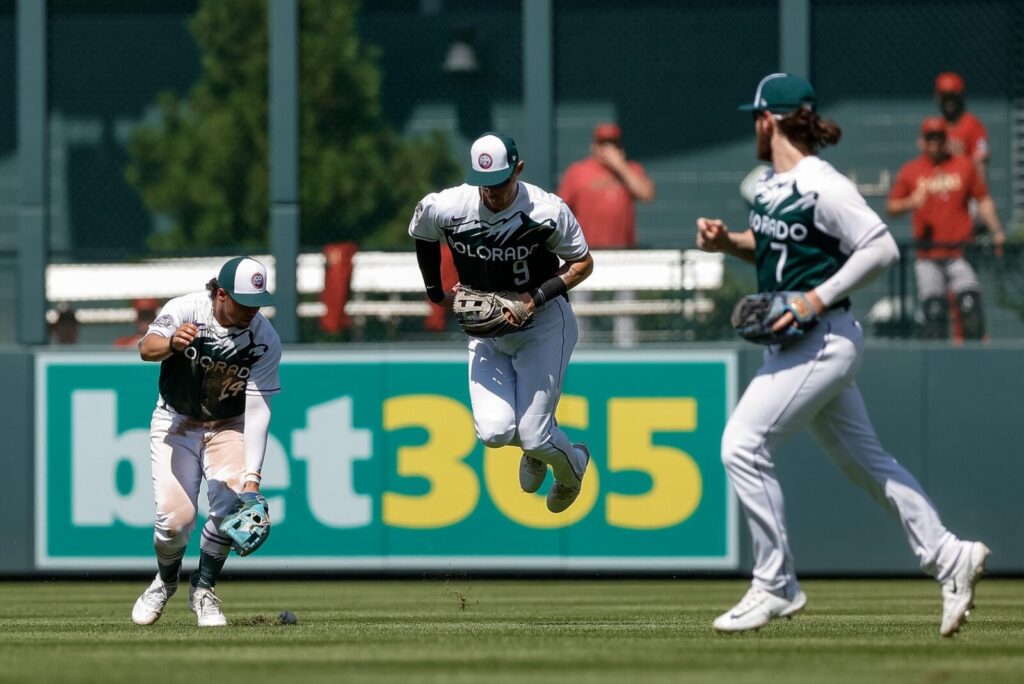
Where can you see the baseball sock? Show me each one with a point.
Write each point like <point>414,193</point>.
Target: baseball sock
<point>169,566</point>
<point>209,569</point>
<point>169,573</point>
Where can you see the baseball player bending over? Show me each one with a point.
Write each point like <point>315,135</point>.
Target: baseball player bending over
<point>813,235</point>
<point>219,361</point>
<point>517,250</point>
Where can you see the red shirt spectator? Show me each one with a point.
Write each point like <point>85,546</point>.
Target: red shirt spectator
<point>968,136</point>
<point>602,190</point>
<point>937,186</point>
<point>965,132</point>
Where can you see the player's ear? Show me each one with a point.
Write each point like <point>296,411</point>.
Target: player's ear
<point>520,165</point>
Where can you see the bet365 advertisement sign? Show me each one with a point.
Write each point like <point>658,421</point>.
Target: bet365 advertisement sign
<point>373,463</point>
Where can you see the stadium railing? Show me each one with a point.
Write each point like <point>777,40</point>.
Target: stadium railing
<point>383,284</point>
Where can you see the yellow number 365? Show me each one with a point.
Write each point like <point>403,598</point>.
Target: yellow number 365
<point>673,495</point>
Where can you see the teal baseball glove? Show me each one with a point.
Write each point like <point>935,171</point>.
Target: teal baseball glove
<point>249,525</point>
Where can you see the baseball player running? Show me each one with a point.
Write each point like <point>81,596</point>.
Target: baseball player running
<point>811,231</point>
<point>508,235</point>
<point>219,362</point>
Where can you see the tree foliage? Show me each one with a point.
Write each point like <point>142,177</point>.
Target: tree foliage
<point>204,164</point>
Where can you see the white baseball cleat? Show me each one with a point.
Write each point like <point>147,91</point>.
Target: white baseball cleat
<point>205,604</point>
<point>562,494</point>
<point>958,589</point>
<point>532,472</point>
<point>756,609</point>
<point>150,605</point>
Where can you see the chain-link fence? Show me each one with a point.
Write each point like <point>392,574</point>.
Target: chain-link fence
<point>158,147</point>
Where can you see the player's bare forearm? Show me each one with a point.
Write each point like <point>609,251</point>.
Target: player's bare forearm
<point>575,272</point>
<point>568,276</point>
<point>154,347</point>
<point>157,347</point>
<point>714,236</point>
<point>742,245</point>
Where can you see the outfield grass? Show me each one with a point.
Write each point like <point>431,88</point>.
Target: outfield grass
<point>497,631</point>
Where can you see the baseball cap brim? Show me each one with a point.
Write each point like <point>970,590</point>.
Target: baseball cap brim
<point>253,299</point>
<point>485,178</point>
<point>778,107</point>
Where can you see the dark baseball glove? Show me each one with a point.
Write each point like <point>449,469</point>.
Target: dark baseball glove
<point>755,315</point>
<point>482,314</point>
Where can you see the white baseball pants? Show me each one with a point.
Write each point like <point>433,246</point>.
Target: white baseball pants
<point>182,452</point>
<point>515,382</point>
<point>811,384</point>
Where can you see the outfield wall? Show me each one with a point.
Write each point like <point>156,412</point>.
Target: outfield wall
<point>372,465</point>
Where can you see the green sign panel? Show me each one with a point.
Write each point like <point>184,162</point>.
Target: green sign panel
<point>373,463</point>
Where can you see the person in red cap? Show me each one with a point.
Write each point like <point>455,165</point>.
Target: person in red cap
<point>145,314</point>
<point>602,191</point>
<point>938,187</point>
<point>965,134</point>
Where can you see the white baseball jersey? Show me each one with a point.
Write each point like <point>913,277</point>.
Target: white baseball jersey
<point>806,222</point>
<point>515,249</point>
<point>210,378</point>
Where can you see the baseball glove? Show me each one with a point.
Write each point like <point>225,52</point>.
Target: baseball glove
<point>754,316</point>
<point>482,314</point>
<point>249,525</point>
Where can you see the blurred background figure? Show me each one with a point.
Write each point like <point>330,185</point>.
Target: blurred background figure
<point>937,187</point>
<point>602,191</point>
<point>965,133</point>
<point>64,330</point>
<point>145,313</point>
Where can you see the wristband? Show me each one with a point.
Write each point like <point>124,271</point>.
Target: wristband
<point>435,294</point>
<point>548,290</point>
<point>170,344</point>
<point>252,477</point>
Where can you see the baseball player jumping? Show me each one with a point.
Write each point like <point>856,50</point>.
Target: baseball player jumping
<point>219,361</point>
<point>508,236</point>
<point>811,232</point>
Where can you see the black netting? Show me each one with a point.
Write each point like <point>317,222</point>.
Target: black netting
<point>874,64</point>
<point>109,62</point>
<point>672,75</point>
<point>158,116</point>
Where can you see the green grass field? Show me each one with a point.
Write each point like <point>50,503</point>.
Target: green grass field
<point>496,631</point>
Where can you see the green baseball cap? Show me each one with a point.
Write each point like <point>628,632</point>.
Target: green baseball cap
<point>245,281</point>
<point>492,159</point>
<point>781,93</point>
